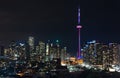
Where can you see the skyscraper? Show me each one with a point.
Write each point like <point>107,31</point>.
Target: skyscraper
<point>31,46</point>
<point>89,55</point>
<point>113,53</point>
<point>47,52</point>
<point>79,27</point>
<point>31,42</point>
<point>58,48</point>
<point>42,48</point>
<point>63,54</point>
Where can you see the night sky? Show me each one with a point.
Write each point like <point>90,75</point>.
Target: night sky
<point>57,19</point>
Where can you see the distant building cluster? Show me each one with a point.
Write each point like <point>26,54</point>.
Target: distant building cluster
<point>41,52</point>
<point>28,58</point>
<point>101,55</point>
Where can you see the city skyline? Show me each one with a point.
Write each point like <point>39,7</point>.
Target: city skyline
<point>52,20</point>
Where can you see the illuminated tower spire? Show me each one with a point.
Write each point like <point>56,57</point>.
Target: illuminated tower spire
<point>79,27</point>
<point>78,16</point>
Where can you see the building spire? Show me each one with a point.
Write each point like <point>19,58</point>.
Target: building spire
<point>78,15</point>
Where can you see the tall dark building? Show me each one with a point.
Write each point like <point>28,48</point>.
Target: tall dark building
<point>1,50</point>
<point>27,47</point>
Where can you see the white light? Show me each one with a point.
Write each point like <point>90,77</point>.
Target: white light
<point>118,70</point>
<point>87,66</point>
<point>111,70</point>
<point>113,65</point>
<point>16,55</point>
<point>95,68</point>
<point>93,41</point>
<point>63,64</point>
<point>21,44</point>
<point>83,64</point>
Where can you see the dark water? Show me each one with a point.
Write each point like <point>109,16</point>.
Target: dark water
<point>87,74</point>
<point>84,74</point>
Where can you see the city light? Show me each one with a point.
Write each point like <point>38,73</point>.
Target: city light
<point>38,58</point>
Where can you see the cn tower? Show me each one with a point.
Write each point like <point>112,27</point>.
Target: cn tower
<point>79,27</point>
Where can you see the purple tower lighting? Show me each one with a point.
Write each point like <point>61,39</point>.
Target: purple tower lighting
<point>79,27</point>
<point>78,15</point>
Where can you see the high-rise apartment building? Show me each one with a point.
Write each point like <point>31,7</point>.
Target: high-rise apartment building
<point>31,46</point>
